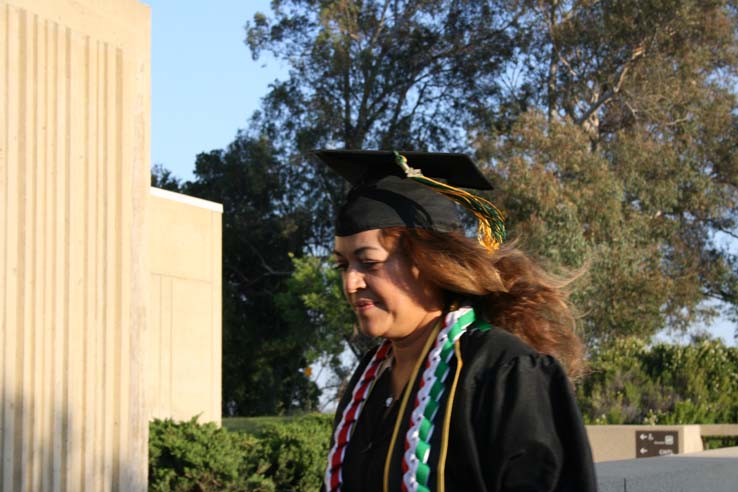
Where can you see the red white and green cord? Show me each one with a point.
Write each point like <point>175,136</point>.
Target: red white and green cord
<point>415,467</point>
<point>344,430</point>
<point>416,471</point>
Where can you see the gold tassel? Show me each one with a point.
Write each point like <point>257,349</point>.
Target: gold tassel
<point>491,223</point>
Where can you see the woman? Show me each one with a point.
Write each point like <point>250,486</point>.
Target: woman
<point>465,392</point>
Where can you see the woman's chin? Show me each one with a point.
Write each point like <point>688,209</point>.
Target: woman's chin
<point>370,329</point>
<point>368,332</point>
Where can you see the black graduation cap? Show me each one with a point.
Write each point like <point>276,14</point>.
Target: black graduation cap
<point>410,189</point>
<point>360,166</point>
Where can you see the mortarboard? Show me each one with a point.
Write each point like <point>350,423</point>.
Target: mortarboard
<point>391,189</point>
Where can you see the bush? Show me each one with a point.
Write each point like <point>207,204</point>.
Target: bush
<point>193,457</point>
<point>715,442</point>
<point>631,383</point>
<point>281,456</point>
<point>297,451</point>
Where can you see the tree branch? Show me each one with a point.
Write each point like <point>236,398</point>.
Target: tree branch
<point>552,66</point>
<point>725,231</point>
<point>269,269</point>
<point>610,93</point>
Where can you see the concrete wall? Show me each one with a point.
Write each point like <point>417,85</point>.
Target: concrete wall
<point>719,429</point>
<point>184,340</point>
<point>74,174</point>
<point>618,442</point>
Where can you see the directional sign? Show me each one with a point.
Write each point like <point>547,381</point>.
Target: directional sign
<point>656,443</point>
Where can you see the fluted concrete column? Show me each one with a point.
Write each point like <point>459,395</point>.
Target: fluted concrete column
<point>74,183</point>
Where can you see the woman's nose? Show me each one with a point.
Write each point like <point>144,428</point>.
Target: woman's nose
<point>353,280</point>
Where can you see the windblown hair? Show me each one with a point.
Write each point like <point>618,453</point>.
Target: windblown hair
<point>512,291</point>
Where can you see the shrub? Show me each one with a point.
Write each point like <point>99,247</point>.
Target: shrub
<point>631,383</point>
<point>279,456</point>
<point>297,451</point>
<point>193,457</point>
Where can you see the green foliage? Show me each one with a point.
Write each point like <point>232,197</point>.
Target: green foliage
<point>315,305</point>
<point>715,442</point>
<point>608,127</point>
<point>373,73</point>
<point>297,452</point>
<point>314,300</point>
<point>280,456</point>
<point>193,457</point>
<point>566,204</point>
<point>623,158</point>
<point>264,221</point>
<point>631,383</point>
<point>163,178</point>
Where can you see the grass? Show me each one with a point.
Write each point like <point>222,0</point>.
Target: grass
<point>253,425</point>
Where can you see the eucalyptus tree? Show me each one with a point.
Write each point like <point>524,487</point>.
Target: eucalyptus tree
<point>626,156</point>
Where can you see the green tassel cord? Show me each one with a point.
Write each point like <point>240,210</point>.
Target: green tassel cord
<point>491,222</point>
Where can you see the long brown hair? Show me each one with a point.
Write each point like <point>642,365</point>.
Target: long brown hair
<point>510,288</point>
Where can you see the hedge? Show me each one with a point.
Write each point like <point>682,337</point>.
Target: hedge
<point>631,382</point>
<point>282,456</point>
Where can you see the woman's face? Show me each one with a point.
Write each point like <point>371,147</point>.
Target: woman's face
<point>387,292</point>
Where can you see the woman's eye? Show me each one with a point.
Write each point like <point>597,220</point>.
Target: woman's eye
<point>366,265</point>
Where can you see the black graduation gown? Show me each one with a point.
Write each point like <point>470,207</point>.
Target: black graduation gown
<point>514,426</point>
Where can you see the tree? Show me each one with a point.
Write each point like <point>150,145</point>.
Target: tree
<point>609,127</point>
<point>625,157</point>
<point>386,73</point>
<point>161,177</point>
<point>375,74</point>
<point>263,223</point>
<point>313,304</point>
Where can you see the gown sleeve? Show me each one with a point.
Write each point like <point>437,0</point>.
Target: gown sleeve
<point>535,439</point>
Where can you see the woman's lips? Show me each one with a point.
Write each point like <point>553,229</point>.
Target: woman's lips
<point>363,306</point>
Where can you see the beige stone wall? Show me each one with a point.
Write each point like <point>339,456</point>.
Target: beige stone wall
<point>74,172</point>
<point>618,442</point>
<point>719,430</point>
<point>184,340</point>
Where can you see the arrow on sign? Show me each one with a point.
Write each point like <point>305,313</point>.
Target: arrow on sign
<point>644,450</point>
<point>643,436</point>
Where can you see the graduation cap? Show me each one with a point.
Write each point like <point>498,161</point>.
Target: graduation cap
<point>390,189</point>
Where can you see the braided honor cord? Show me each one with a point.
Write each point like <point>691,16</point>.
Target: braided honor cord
<point>333,478</point>
<point>415,467</point>
<point>427,401</point>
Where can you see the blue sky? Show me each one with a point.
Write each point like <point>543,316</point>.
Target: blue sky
<point>204,84</point>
